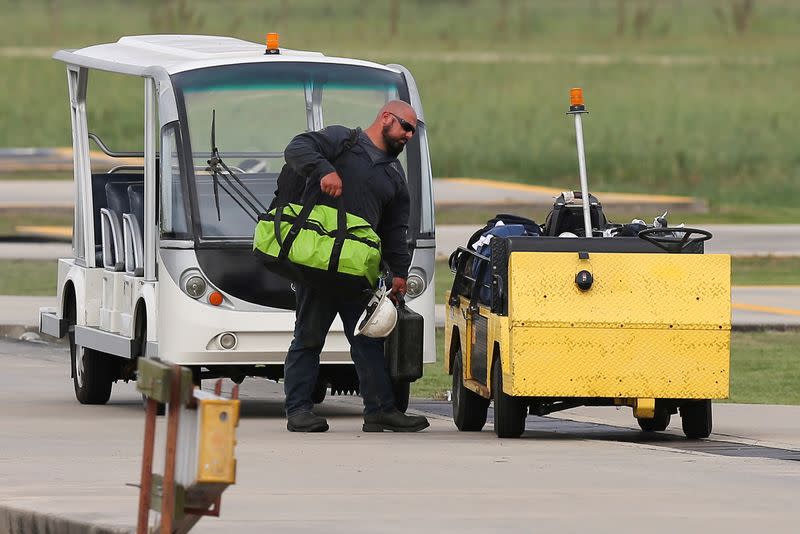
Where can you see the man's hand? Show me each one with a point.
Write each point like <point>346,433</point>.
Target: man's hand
<point>331,184</point>
<point>398,288</point>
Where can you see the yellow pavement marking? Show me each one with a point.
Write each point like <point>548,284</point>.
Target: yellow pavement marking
<point>765,309</point>
<point>63,161</point>
<point>65,152</point>
<point>54,231</point>
<point>505,185</point>
<point>14,166</point>
<point>787,286</point>
<point>556,191</point>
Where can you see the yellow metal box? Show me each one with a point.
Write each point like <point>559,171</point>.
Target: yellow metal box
<point>650,326</point>
<point>218,419</point>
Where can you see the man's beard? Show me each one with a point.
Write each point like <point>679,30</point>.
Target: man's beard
<point>393,146</point>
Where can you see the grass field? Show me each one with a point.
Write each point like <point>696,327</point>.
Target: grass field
<point>11,219</point>
<point>28,277</point>
<point>680,101</point>
<point>764,369</point>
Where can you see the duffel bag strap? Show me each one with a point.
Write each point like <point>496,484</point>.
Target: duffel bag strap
<point>297,225</point>
<point>341,233</point>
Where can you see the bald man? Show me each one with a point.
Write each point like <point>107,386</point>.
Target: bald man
<point>373,186</point>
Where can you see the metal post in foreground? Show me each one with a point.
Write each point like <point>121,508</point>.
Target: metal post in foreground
<point>147,467</point>
<point>174,406</point>
<point>186,491</point>
<point>577,108</point>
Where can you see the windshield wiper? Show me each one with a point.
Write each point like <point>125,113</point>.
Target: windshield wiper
<point>218,169</point>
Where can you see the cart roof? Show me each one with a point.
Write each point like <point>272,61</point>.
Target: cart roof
<point>153,55</point>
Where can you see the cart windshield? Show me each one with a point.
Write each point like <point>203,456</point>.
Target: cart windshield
<point>258,109</point>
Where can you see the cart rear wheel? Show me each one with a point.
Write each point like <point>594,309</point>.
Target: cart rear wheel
<point>509,412</point>
<point>656,424</point>
<point>696,419</point>
<point>92,373</point>
<point>469,408</point>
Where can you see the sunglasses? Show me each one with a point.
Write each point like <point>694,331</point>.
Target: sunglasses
<point>404,124</point>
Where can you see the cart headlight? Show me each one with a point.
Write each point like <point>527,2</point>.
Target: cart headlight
<point>415,285</point>
<point>195,286</point>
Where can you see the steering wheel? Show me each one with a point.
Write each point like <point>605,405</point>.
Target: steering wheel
<point>672,243</point>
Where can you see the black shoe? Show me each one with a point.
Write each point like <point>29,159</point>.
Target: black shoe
<point>395,421</point>
<point>306,422</point>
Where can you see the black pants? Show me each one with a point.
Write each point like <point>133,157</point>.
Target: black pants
<point>315,313</point>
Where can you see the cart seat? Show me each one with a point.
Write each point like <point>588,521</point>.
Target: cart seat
<point>133,231</point>
<point>103,221</point>
<point>111,225</point>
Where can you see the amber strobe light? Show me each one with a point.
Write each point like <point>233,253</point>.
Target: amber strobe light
<point>273,43</point>
<point>576,99</point>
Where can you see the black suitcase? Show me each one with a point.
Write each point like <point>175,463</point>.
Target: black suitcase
<point>404,346</point>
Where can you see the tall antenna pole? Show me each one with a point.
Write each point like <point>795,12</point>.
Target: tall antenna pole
<point>576,109</point>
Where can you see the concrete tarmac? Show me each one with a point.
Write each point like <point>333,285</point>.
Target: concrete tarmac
<point>77,463</point>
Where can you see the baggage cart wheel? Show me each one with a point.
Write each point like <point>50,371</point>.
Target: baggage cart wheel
<point>657,424</point>
<point>469,408</point>
<point>696,419</point>
<point>401,392</point>
<point>509,412</point>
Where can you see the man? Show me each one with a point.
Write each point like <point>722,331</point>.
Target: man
<point>373,184</point>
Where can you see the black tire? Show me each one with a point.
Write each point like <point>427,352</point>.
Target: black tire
<point>469,408</point>
<point>658,423</point>
<point>320,390</point>
<point>509,412</point>
<point>196,379</point>
<point>92,373</point>
<point>696,419</point>
<point>402,393</point>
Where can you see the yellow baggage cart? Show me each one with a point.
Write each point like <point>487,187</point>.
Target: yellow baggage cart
<point>547,323</point>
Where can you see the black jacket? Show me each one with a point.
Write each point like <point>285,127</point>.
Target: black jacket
<point>376,192</point>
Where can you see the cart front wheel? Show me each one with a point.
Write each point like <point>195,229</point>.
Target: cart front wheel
<point>509,412</point>
<point>657,424</point>
<point>469,408</point>
<point>696,419</point>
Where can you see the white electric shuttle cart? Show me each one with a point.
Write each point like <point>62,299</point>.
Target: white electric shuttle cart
<point>162,262</point>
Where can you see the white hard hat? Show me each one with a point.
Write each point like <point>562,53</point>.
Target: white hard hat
<point>567,234</point>
<point>379,317</point>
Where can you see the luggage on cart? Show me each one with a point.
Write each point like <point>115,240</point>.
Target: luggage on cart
<point>474,261</point>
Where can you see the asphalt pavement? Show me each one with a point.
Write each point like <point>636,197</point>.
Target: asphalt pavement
<point>72,468</point>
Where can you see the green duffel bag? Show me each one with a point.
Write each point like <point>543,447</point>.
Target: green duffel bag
<point>320,247</point>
